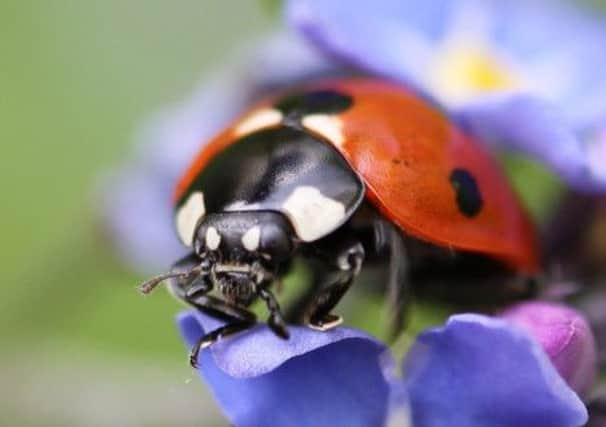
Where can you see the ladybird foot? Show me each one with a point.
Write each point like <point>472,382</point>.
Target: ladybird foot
<point>326,323</point>
<point>278,326</point>
<point>196,349</point>
<point>212,337</point>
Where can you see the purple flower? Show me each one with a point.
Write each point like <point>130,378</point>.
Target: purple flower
<point>475,371</point>
<point>519,74</point>
<point>564,335</point>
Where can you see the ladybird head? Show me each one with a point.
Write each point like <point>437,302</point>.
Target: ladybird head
<point>243,249</point>
<point>244,237</point>
<point>236,251</point>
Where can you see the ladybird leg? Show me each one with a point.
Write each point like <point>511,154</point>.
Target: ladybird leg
<point>276,320</point>
<point>349,263</point>
<point>221,310</point>
<point>238,320</point>
<point>389,239</point>
<point>195,293</point>
<point>208,339</point>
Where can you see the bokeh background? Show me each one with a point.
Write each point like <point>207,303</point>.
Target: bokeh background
<point>79,346</point>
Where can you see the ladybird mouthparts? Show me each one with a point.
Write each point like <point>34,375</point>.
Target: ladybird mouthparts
<point>237,282</point>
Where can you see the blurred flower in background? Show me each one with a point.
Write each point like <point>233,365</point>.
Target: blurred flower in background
<point>522,77</point>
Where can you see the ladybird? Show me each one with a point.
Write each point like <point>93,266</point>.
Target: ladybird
<point>345,174</point>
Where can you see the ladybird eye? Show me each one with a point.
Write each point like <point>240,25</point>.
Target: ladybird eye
<point>275,242</point>
<point>316,102</point>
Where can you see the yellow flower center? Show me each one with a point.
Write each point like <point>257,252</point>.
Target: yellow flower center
<point>464,70</point>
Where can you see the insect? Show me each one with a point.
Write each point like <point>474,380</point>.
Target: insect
<point>345,174</point>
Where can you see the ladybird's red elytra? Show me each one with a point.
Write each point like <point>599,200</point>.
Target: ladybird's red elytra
<point>344,174</point>
<point>421,170</point>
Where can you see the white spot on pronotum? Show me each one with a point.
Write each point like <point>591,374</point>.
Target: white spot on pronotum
<point>259,119</point>
<point>330,127</point>
<point>188,216</point>
<point>213,238</point>
<point>312,214</point>
<point>251,239</point>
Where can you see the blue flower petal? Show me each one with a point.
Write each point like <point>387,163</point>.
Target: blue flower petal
<point>135,201</point>
<point>526,124</point>
<point>313,379</point>
<point>372,34</point>
<point>480,371</point>
<point>555,45</point>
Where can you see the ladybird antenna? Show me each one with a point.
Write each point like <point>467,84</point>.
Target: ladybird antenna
<point>151,284</point>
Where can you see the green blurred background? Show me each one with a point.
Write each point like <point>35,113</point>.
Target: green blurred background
<point>79,346</point>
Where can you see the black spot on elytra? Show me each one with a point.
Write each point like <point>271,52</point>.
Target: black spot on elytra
<point>315,102</point>
<point>468,196</point>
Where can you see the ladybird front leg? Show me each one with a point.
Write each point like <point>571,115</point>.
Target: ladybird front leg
<point>348,263</point>
<point>209,339</point>
<point>194,292</point>
<point>221,310</point>
<point>276,319</point>
<point>238,319</point>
